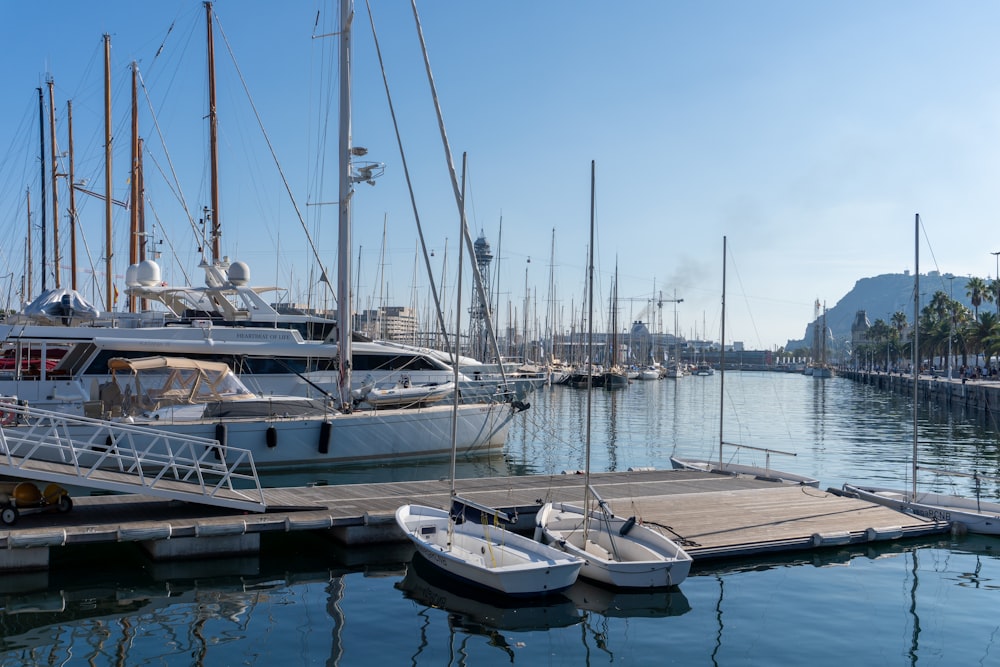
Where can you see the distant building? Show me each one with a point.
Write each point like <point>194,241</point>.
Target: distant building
<point>640,344</point>
<point>395,323</point>
<point>859,333</point>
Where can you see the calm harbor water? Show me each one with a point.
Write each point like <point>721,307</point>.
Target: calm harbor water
<point>306,600</point>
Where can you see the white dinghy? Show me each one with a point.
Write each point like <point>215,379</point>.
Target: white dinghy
<point>487,556</point>
<point>618,552</point>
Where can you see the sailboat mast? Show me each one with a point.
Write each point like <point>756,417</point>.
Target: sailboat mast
<point>458,344</point>
<point>213,136</point>
<point>41,159</point>
<point>722,354</point>
<point>590,343</point>
<point>550,313</point>
<point>72,198</point>
<point>467,237</point>
<point>109,253</point>
<point>916,347</point>
<point>344,218</point>
<point>133,235</point>
<point>53,152</point>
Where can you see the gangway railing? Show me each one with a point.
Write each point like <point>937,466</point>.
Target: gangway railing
<point>125,458</point>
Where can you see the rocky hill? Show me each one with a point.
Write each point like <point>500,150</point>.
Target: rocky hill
<point>880,297</point>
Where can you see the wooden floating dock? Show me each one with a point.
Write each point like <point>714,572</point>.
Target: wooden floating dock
<point>711,515</point>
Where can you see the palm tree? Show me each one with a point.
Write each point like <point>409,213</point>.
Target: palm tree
<point>977,291</point>
<point>993,294</point>
<point>879,337</point>
<point>899,323</point>
<point>980,333</point>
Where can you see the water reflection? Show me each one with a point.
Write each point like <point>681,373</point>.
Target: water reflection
<point>480,613</point>
<point>305,599</point>
<point>611,603</point>
<point>310,601</point>
<point>110,605</point>
<point>840,430</point>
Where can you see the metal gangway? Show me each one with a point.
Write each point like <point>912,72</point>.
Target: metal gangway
<point>113,456</point>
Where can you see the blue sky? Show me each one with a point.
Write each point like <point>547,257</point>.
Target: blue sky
<point>809,134</point>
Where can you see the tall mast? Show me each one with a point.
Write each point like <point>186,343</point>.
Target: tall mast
<point>140,191</point>
<point>109,296</point>
<point>134,204</point>
<point>41,160</point>
<point>72,198</point>
<point>722,354</point>
<point>456,395</point>
<point>344,318</point>
<point>590,347</point>
<point>916,351</point>
<point>550,313</point>
<point>55,182</point>
<point>213,130</point>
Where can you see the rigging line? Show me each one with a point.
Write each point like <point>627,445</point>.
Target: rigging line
<point>409,181</point>
<point>753,323</point>
<point>180,199</point>
<point>274,156</point>
<point>173,251</point>
<point>173,172</point>
<point>322,100</point>
<point>459,195</point>
<point>941,276</point>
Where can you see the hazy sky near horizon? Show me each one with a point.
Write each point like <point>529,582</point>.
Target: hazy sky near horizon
<point>808,134</point>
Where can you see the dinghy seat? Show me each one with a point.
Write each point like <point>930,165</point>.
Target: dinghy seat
<point>595,549</point>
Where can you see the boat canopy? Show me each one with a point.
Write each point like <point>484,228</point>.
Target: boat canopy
<point>163,381</point>
<point>61,305</point>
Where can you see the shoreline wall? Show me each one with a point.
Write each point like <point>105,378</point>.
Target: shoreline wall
<point>976,394</point>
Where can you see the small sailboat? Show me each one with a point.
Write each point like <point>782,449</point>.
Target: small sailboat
<point>615,551</point>
<point>615,377</point>
<point>483,554</point>
<point>486,555</point>
<point>726,467</point>
<point>974,514</point>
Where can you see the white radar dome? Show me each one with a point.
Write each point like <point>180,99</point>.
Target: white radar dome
<point>239,273</point>
<point>131,275</point>
<point>148,273</point>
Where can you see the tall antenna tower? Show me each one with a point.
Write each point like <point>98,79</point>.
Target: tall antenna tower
<point>478,335</point>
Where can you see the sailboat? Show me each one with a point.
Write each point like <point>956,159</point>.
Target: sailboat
<point>615,551</point>
<point>483,554</point>
<point>72,359</point>
<point>674,370</point>
<point>975,515</point>
<point>614,377</point>
<point>726,467</point>
<point>822,369</point>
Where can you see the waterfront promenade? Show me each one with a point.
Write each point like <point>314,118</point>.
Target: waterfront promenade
<point>980,394</point>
